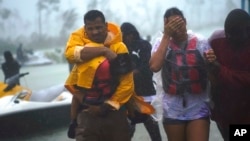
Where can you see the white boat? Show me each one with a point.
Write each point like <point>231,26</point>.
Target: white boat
<point>36,59</point>
<point>22,110</point>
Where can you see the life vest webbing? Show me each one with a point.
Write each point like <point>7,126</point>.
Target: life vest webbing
<point>183,70</point>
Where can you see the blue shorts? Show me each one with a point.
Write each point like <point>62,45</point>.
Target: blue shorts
<point>170,121</point>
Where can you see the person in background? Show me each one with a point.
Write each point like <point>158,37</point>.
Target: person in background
<point>101,81</point>
<point>179,56</point>
<point>20,54</point>
<point>10,67</point>
<point>140,52</point>
<point>230,72</point>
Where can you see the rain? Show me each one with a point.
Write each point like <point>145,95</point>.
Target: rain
<point>42,27</point>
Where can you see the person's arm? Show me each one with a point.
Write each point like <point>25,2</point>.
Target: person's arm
<point>227,76</point>
<point>123,92</point>
<point>157,59</point>
<point>88,53</point>
<point>236,79</point>
<point>231,78</point>
<point>77,51</point>
<point>125,88</point>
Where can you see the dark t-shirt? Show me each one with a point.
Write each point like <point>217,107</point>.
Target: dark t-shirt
<point>140,52</point>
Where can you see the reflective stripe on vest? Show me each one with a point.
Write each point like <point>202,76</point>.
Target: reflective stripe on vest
<point>184,70</point>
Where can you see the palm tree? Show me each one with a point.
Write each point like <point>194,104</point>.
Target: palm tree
<point>48,6</point>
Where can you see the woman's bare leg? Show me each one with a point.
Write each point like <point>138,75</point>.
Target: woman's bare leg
<point>198,130</point>
<point>175,132</point>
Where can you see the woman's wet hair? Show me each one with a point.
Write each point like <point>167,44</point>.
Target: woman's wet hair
<point>173,11</point>
<point>128,28</point>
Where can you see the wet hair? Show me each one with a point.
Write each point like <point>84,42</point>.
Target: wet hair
<point>237,18</point>
<point>92,15</point>
<point>173,11</point>
<point>8,56</point>
<point>128,28</point>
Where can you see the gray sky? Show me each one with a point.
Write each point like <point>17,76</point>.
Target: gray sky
<point>197,12</point>
<point>26,13</point>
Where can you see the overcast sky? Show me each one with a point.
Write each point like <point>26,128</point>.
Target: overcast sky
<point>27,8</point>
<point>28,16</point>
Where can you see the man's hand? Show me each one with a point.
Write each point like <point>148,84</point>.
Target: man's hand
<point>109,54</point>
<point>213,64</point>
<point>88,53</point>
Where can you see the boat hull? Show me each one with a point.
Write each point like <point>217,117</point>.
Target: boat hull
<point>27,122</point>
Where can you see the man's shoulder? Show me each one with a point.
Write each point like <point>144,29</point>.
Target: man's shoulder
<point>118,44</point>
<point>144,43</point>
<point>78,31</point>
<point>119,47</point>
<point>217,34</point>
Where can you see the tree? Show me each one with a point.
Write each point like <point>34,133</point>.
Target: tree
<point>4,15</point>
<point>46,5</point>
<point>68,18</point>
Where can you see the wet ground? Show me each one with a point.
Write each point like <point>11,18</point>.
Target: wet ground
<point>44,76</point>
<point>59,134</point>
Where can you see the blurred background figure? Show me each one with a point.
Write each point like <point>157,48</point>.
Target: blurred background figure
<point>20,54</point>
<point>10,67</point>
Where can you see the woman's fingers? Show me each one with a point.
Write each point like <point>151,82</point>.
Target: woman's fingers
<point>173,25</point>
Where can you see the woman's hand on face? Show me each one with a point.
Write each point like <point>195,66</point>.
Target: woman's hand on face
<point>172,25</point>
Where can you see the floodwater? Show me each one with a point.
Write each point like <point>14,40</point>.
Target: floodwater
<point>45,76</point>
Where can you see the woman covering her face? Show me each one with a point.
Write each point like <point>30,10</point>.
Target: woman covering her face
<point>179,56</point>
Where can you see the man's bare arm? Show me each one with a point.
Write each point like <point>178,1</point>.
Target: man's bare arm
<point>88,53</point>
